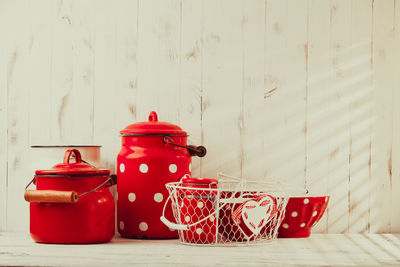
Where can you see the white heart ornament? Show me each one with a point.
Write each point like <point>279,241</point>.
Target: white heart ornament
<point>256,214</point>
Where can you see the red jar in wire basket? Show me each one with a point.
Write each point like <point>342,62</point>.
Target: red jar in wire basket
<point>198,206</point>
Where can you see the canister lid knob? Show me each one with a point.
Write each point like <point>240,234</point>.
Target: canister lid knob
<point>153,116</point>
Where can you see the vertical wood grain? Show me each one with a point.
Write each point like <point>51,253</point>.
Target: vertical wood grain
<point>4,10</point>
<point>361,111</point>
<point>252,31</point>
<point>19,62</point>
<point>190,99</point>
<point>319,86</point>
<point>105,126</point>
<point>40,74</point>
<point>395,200</point>
<point>61,109</point>
<point>339,115</point>
<point>277,92</point>
<point>148,71</point>
<point>384,66</point>
<point>222,87</point>
<point>126,85</point>
<point>82,73</point>
<point>295,104</point>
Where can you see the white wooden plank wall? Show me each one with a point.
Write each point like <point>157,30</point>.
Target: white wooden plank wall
<point>303,92</point>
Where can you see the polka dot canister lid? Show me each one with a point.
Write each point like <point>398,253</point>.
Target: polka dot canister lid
<point>151,127</point>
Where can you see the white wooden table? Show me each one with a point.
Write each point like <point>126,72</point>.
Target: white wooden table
<point>318,250</point>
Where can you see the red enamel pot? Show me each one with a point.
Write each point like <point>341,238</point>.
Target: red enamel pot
<point>153,153</point>
<point>72,203</point>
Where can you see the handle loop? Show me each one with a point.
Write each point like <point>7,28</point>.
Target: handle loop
<point>199,151</point>
<point>68,153</point>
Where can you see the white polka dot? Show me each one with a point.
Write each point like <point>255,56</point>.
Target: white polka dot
<point>122,167</point>
<point>190,167</point>
<point>143,168</point>
<point>173,168</point>
<point>302,225</point>
<point>199,231</point>
<point>131,197</point>
<point>143,226</point>
<point>285,225</point>
<point>200,204</point>
<point>314,213</point>
<point>306,201</point>
<point>187,218</point>
<point>294,214</point>
<point>212,218</point>
<point>158,197</point>
<point>121,225</point>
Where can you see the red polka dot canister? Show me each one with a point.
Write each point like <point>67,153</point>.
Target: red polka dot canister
<point>153,153</point>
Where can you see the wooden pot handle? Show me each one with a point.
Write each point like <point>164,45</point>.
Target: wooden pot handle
<point>50,196</point>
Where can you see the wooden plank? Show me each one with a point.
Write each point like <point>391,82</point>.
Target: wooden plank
<point>318,250</point>
<point>295,104</point>
<point>222,87</point>
<point>148,71</point>
<point>159,59</point>
<point>126,63</point>
<point>169,59</point>
<point>361,110</point>
<point>82,72</point>
<point>19,63</point>
<point>395,199</point>
<point>61,114</point>
<point>319,83</point>
<point>40,74</point>
<point>106,132</point>
<point>190,75</point>
<point>4,18</point>
<point>339,116</point>
<point>277,92</point>
<point>384,66</point>
<point>251,138</point>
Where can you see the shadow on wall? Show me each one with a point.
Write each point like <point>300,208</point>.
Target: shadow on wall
<point>316,134</point>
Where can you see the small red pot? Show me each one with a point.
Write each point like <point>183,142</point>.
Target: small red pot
<point>301,214</point>
<point>198,204</point>
<point>71,204</point>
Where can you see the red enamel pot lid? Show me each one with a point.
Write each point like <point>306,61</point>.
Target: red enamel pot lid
<point>153,126</point>
<point>199,181</point>
<point>74,168</point>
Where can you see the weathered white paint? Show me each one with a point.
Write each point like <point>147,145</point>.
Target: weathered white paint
<point>303,92</point>
<point>318,250</point>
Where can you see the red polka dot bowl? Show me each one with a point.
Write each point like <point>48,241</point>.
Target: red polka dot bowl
<point>301,214</point>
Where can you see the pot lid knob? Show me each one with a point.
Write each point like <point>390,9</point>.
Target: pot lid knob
<point>153,116</point>
<point>68,153</point>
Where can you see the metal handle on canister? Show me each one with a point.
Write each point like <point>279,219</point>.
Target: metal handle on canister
<point>51,196</point>
<point>199,151</point>
<point>54,196</point>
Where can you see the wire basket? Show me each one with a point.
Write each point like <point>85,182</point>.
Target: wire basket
<point>232,211</point>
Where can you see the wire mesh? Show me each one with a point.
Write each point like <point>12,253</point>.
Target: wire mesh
<point>234,213</point>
